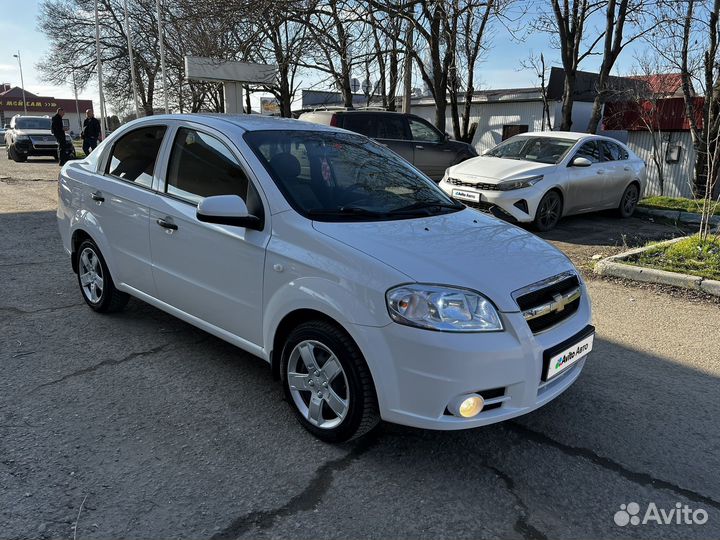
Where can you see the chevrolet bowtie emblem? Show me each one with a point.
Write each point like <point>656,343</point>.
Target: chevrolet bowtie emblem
<point>560,302</point>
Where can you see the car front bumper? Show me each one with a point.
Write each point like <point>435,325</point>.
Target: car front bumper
<point>518,205</point>
<point>417,372</point>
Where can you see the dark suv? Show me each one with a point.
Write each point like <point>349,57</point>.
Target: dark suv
<point>31,136</point>
<point>410,136</point>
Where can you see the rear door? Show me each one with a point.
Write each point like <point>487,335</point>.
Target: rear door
<point>586,185</point>
<point>391,130</point>
<point>121,199</point>
<point>615,173</point>
<point>213,272</point>
<point>432,153</point>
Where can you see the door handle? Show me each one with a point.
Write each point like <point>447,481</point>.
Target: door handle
<point>419,147</point>
<point>627,167</point>
<point>600,171</point>
<point>166,224</point>
<point>97,197</point>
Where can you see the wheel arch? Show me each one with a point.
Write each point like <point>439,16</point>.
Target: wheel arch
<point>290,321</point>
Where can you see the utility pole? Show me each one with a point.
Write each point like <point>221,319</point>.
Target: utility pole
<point>103,119</point>
<point>77,105</point>
<point>132,61</point>
<point>22,81</point>
<point>407,71</point>
<point>162,56</point>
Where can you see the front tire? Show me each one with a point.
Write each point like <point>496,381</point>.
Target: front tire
<point>629,201</point>
<point>96,284</point>
<point>17,158</point>
<point>327,383</point>
<point>548,212</point>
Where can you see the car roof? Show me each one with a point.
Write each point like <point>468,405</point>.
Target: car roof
<point>247,122</point>
<point>574,135</point>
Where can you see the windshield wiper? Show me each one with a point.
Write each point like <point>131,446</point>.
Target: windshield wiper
<point>344,210</point>
<point>426,205</point>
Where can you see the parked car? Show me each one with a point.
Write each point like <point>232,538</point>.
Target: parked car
<point>371,294</point>
<point>410,136</point>
<point>540,177</point>
<point>31,136</point>
<point>3,130</point>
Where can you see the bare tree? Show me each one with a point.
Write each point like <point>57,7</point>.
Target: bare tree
<point>536,63</point>
<point>566,23</point>
<point>623,24</point>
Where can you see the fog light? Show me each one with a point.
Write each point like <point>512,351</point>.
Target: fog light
<point>466,406</point>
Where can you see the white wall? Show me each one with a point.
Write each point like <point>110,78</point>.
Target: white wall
<point>678,176</point>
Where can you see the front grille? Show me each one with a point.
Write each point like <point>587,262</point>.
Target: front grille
<point>476,185</point>
<point>550,301</point>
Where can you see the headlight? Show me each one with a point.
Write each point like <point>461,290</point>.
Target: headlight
<point>22,138</point>
<point>519,183</point>
<point>442,308</point>
<point>446,175</point>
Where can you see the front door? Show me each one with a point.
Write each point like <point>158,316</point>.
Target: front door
<point>432,154</point>
<point>213,272</point>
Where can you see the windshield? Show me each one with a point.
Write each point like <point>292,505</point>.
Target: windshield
<point>537,149</point>
<point>329,176</point>
<point>32,123</point>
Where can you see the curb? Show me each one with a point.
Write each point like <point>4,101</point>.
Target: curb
<point>689,218</point>
<point>616,267</point>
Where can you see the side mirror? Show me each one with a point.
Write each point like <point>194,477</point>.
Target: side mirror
<point>227,210</point>
<point>580,162</point>
<point>447,136</point>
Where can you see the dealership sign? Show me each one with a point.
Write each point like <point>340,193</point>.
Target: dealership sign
<point>8,103</point>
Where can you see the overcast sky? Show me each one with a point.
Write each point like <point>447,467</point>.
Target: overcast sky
<point>18,31</point>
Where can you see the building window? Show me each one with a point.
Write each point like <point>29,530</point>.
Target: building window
<point>510,130</point>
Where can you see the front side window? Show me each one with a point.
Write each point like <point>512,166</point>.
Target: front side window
<point>423,132</point>
<point>590,151</point>
<point>347,177</point>
<point>538,149</point>
<point>134,154</point>
<point>202,166</point>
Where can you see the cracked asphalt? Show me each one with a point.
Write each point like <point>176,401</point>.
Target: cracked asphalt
<point>137,425</point>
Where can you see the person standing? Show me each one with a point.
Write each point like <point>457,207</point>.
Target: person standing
<point>58,130</point>
<point>90,133</point>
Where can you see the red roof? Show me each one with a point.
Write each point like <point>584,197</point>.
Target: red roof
<point>662,84</point>
<point>662,114</point>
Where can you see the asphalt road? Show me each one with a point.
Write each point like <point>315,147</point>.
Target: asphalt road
<point>137,425</point>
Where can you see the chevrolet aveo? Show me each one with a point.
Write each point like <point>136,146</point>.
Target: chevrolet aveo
<point>369,291</point>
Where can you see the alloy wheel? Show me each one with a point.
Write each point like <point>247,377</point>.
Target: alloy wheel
<point>318,384</point>
<point>630,200</point>
<point>91,275</point>
<point>549,211</point>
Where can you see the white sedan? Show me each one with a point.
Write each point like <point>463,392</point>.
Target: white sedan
<point>540,177</point>
<point>371,294</point>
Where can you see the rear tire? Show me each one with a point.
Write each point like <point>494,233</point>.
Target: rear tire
<point>96,284</point>
<point>327,383</point>
<point>548,212</point>
<point>629,201</point>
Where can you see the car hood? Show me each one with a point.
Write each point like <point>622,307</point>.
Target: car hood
<point>465,249</point>
<point>487,168</point>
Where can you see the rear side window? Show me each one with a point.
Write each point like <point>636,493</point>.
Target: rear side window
<point>390,126</point>
<point>590,151</point>
<point>360,123</point>
<point>202,166</point>
<point>611,151</point>
<point>133,155</point>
